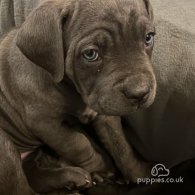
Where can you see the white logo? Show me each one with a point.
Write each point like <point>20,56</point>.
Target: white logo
<point>160,170</point>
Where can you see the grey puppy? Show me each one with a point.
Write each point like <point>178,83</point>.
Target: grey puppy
<point>69,59</point>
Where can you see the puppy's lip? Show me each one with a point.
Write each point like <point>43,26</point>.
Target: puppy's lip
<point>99,107</point>
<point>102,110</point>
<point>147,103</point>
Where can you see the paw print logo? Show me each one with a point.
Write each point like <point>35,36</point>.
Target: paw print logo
<point>160,170</point>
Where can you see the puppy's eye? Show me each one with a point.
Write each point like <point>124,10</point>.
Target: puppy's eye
<point>91,55</point>
<point>149,40</point>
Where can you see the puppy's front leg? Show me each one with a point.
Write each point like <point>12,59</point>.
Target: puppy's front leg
<point>47,173</point>
<point>71,144</point>
<point>110,132</point>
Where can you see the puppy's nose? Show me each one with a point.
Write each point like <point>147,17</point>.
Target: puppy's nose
<point>140,93</point>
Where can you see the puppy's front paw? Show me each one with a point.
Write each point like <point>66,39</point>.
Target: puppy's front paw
<point>103,177</point>
<point>77,178</point>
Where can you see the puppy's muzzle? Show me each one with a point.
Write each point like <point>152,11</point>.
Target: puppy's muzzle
<point>137,95</point>
<point>136,90</point>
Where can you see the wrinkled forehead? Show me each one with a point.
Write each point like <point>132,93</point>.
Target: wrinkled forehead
<point>118,8</point>
<point>91,14</point>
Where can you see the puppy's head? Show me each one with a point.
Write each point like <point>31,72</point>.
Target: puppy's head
<point>104,47</point>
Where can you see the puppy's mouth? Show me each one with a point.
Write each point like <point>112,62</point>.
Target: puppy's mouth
<point>122,99</point>
<point>120,110</point>
<point>121,106</point>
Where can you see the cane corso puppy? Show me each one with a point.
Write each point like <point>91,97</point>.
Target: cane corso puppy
<point>78,59</point>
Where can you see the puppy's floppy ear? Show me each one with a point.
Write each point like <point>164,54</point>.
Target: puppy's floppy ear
<point>149,9</point>
<point>40,38</point>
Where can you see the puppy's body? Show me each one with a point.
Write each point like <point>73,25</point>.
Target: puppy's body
<point>20,90</point>
<point>48,74</point>
<point>11,101</point>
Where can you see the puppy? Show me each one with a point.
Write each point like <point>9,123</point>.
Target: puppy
<point>71,56</point>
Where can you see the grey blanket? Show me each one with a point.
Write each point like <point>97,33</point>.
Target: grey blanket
<point>14,12</point>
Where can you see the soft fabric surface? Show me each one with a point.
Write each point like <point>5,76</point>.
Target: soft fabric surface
<point>14,12</point>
